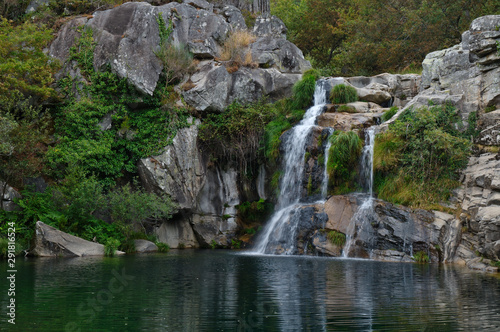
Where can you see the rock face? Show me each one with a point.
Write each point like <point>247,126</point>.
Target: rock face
<point>480,202</point>
<point>470,71</point>
<point>8,194</point>
<point>50,242</point>
<point>383,231</point>
<point>128,36</point>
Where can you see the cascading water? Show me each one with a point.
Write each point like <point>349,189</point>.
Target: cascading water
<point>361,217</point>
<point>279,234</point>
<point>324,185</point>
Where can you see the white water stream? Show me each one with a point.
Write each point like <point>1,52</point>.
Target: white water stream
<point>279,234</point>
<point>360,218</point>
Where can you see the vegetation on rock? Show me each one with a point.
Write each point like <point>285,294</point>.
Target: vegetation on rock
<point>343,94</point>
<point>342,161</point>
<point>418,159</point>
<point>365,37</point>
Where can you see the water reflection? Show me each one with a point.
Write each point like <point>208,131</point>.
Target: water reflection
<point>223,291</point>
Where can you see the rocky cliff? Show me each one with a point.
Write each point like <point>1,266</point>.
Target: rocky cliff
<point>466,75</point>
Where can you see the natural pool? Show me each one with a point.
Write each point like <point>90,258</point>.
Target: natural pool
<point>217,290</point>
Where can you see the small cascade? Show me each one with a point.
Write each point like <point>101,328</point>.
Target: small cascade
<point>362,216</point>
<point>324,185</point>
<point>279,232</point>
<point>366,172</point>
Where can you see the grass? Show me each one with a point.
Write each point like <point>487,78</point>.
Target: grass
<point>303,90</point>
<point>390,113</point>
<point>421,257</point>
<point>343,94</point>
<point>235,50</point>
<point>417,161</point>
<point>343,158</point>
<point>162,247</point>
<point>111,246</point>
<point>336,238</point>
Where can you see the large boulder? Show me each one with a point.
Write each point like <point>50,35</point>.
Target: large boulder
<point>471,69</point>
<point>214,88</point>
<point>51,242</point>
<point>142,246</point>
<point>178,171</point>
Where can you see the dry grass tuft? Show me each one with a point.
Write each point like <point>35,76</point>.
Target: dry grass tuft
<point>236,51</point>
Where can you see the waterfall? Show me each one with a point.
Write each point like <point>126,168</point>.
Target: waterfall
<point>362,216</point>
<point>366,172</point>
<point>279,233</point>
<point>324,185</point>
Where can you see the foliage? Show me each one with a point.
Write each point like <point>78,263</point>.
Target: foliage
<point>255,211</point>
<point>342,159</point>
<point>134,133</point>
<point>235,135</point>
<point>235,49</point>
<point>162,247</point>
<point>111,246</point>
<point>337,238</point>
<point>421,257</point>
<point>176,59</point>
<point>25,71</point>
<point>418,159</point>
<point>390,113</point>
<point>343,94</point>
<point>235,244</point>
<point>366,37</point>
<point>303,90</point>
<point>129,207</point>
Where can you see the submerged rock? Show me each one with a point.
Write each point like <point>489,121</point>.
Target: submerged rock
<point>51,242</point>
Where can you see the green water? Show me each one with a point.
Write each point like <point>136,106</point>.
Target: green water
<point>214,290</point>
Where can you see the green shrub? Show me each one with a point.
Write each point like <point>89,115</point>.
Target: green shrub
<point>25,70</point>
<point>337,238</point>
<point>343,158</point>
<point>111,246</point>
<point>303,90</point>
<point>389,114</point>
<point>134,133</point>
<point>421,257</point>
<point>162,247</point>
<point>235,244</point>
<point>129,207</point>
<point>255,211</point>
<point>418,159</point>
<point>236,134</point>
<point>176,59</point>
<point>343,94</point>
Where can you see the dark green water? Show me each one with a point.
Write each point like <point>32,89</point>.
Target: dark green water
<point>210,290</point>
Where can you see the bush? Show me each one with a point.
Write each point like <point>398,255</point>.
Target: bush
<point>162,247</point>
<point>303,90</point>
<point>343,159</point>
<point>130,208</point>
<point>389,114</point>
<point>111,246</point>
<point>235,49</point>
<point>337,238</point>
<point>25,71</point>
<point>250,212</point>
<point>235,135</point>
<point>421,257</point>
<point>343,94</point>
<point>177,61</point>
<point>418,159</point>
